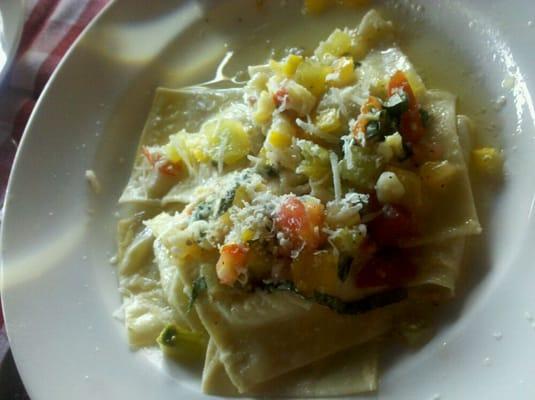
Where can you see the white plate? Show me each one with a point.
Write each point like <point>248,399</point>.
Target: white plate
<point>59,291</point>
<point>11,18</point>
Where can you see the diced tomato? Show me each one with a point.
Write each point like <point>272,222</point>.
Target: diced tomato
<point>399,81</point>
<point>301,223</point>
<point>389,267</point>
<point>168,168</point>
<point>164,166</point>
<point>373,104</point>
<point>232,262</point>
<point>394,223</point>
<point>411,126</point>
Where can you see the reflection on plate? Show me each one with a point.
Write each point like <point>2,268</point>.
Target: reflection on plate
<point>11,17</point>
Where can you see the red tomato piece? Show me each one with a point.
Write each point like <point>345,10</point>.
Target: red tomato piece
<point>232,262</point>
<point>411,126</point>
<point>164,166</point>
<point>280,96</point>
<point>389,267</point>
<point>394,223</point>
<point>301,223</point>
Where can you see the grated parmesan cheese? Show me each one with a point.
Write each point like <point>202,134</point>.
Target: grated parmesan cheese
<point>336,175</point>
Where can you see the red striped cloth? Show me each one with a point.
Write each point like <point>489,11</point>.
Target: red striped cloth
<point>50,28</point>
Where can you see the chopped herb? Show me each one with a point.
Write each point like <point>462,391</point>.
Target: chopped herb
<point>373,130</point>
<point>199,286</point>
<point>226,202</point>
<point>360,306</point>
<point>397,104</point>
<point>424,115</point>
<point>386,124</point>
<point>407,151</point>
<point>272,172</point>
<point>181,344</point>
<point>168,335</point>
<point>363,305</point>
<point>203,211</point>
<point>344,266</point>
<point>357,64</point>
<point>287,286</point>
<point>267,170</point>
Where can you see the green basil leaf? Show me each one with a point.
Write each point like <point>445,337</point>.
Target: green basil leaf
<point>344,266</point>
<point>199,286</point>
<point>397,104</point>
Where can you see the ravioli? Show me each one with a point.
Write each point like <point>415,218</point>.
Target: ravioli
<point>344,373</point>
<point>172,111</point>
<point>294,223</point>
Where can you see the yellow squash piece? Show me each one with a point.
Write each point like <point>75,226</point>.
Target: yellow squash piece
<point>337,44</point>
<point>344,72</point>
<point>227,140</point>
<point>312,75</point>
<point>488,161</point>
<point>286,67</point>
<point>329,121</point>
<point>316,272</point>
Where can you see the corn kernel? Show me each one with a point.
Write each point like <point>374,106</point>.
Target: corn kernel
<point>437,174</point>
<point>290,64</point>
<point>328,120</point>
<point>317,6</point>
<point>279,139</point>
<point>344,72</point>
<point>284,125</point>
<point>487,160</point>
<point>312,76</point>
<point>264,108</point>
<point>287,66</point>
